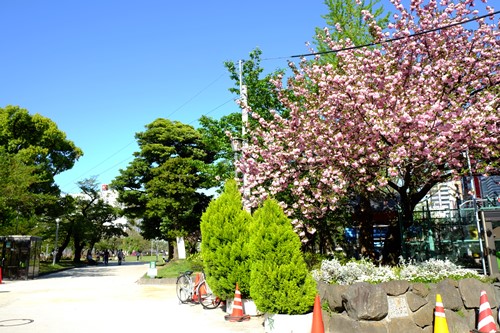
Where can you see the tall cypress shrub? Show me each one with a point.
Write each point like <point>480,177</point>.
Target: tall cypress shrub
<point>224,243</point>
<point>280,280</point>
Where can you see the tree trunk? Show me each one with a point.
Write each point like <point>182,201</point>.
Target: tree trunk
<point>78,250</point>
<point>170,250</point>
<point>63,246</point>
<point>393,245</point>
<point>367,248</point>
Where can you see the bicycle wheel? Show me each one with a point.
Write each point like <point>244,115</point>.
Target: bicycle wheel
<point>183,286</point>
<point>206,297</point>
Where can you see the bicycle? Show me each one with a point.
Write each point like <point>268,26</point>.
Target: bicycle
<point>199,291</point>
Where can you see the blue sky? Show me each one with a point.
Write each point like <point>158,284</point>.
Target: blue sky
<point>102,70</point>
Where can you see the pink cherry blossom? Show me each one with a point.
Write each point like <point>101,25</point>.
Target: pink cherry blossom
<point>396,118</point>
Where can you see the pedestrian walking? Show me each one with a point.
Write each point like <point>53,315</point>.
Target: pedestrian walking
<point>106,257</point>
<point>120,257</point>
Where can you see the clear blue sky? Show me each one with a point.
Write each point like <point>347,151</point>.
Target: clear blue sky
<point>102,70</point>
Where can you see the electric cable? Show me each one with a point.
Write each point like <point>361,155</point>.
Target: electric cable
<point>296,56</point>
<point>130,143</point>
<point>397,38</point>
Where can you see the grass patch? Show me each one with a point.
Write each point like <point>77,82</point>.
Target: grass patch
<point>46,267</point>
<point>145,259</point>
<point>174,267</point>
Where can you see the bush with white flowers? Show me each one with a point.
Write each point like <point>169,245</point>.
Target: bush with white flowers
<point>433,270</point>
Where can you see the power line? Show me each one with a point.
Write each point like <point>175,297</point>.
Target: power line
<point>293,56</point>
<point>196,95</point>
<point>395,39</point>
<point>217,107</point>
<point>130,157</point>
<point>101,163</point>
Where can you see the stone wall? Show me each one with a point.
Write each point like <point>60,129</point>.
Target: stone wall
<point>400,306</point>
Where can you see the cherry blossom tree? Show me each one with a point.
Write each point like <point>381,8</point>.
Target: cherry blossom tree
<point>393,118</point>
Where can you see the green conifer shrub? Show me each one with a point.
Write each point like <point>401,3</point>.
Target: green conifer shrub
<point>224,243</point>
<point>280,281</point>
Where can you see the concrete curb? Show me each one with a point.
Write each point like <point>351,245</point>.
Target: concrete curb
<point>149,281</point>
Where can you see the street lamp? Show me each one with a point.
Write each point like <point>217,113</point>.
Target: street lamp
<point>55,244</point>
<point>156,242</point>
<point>236,146</point>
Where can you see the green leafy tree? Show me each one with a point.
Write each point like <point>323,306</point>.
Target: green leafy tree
<point>16,178</point>
<point>261,98</point>
<point>280,281</point>
<point>135,242</point>
<point>32,151</point>
<point>86,220</point>
<point>37,141</point>
<point>224,245</point>
<point>345,22</point>
<point>163,186</point>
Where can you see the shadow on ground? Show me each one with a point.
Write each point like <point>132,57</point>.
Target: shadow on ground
<point>89,271</point>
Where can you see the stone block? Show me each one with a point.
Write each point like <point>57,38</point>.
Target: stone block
<point>420,289</point>
<point>415,301</point>
<point>343,324</point>
<point>396,287</point>
<point>333,296</point>
<point>425,315</point>
<point>364,301</point>
<point>456,323</point>
<point>470,290</point>
<point>396,326</point>
<point>449,293</point>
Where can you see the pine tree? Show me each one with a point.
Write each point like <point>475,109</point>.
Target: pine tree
<point>224,244</point>
<point>280,281</point>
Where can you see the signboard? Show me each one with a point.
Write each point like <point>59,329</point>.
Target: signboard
<point>152,271</point>
<point>398,307</point>
<point>181,248</point>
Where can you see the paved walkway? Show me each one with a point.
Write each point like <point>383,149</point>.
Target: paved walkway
<point>105,299</point>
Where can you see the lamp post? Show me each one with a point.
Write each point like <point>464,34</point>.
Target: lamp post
<point>55,244</point>
<point>156,242</point>
<point>236,145</point>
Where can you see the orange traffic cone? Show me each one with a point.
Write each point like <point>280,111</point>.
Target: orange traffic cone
<point>440,325</point>
<point>237,314</point>
<point>317,326</point>
<point>196,282</point>
<point>485,322</point>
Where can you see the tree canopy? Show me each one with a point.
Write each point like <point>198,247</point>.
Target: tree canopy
<point>37,141</point>
<point>345,22</point>
<point>163,186</point>
<point>217,133</point>
<point>32,151</point>
<point>396,119</point>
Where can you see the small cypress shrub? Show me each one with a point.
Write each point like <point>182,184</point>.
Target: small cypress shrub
<point>280,280</point>
<point>224,243</point>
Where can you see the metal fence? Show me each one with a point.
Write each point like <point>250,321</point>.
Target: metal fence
<point>447,234</point>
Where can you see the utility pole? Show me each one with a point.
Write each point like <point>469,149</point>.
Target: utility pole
<point>244,125</point>
<point>480,232</point>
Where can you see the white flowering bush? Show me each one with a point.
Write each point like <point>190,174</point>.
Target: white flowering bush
<point>433,270</point>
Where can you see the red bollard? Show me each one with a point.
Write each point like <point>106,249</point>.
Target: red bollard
<point>0,275</point>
